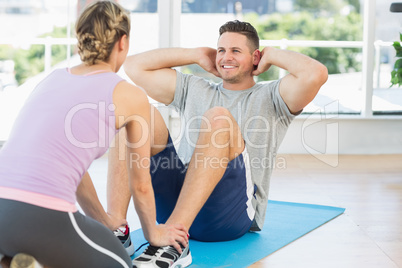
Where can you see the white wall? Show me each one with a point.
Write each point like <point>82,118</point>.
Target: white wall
<point>344,135</point>
<point>334,135</point>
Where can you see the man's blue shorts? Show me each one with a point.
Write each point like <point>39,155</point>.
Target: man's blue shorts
<point>227,214</point>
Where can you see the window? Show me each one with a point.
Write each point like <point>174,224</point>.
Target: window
<point>28,46</point>
<point>329,31</point>
<point>386,100</point>
<point>288,25</point>
<point>41,37</point>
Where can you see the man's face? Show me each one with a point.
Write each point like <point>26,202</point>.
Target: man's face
<point>234,60</point>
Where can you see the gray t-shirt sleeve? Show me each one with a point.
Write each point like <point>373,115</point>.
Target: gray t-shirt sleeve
<point>188,85</point>
<point>180,95</point>
<point>282,111</point>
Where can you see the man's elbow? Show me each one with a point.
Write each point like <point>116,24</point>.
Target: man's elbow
<point>316,80</point>
<point>321,75</point>
<point>130,67</point>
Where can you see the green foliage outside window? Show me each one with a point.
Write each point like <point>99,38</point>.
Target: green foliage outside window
<point>333,20</point>
<point>396,74</point>
<point>30,62</point>
<point>312,20</point>
<point>305,26</point>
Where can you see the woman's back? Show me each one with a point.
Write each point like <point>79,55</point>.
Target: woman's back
<point>66,123</point>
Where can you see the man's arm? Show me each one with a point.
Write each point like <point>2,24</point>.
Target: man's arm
<point>305,78</point>
<point>152,71</point>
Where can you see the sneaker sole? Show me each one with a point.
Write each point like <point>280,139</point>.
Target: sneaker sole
<point>22,260</point>
<point>184,262</point>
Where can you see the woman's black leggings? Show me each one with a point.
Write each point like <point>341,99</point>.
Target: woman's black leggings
<point>58,239</point>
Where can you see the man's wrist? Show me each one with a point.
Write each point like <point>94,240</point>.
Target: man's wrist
<point>268,52</point>
<point>196,55</point>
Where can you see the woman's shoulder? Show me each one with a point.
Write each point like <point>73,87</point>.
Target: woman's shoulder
<point>128,91</point>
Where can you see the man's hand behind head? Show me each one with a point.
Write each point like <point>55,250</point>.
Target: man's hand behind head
<point>263,64</point>
<point>207,60</point>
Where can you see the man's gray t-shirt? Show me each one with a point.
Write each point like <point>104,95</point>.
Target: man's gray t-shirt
<point>260,112</point>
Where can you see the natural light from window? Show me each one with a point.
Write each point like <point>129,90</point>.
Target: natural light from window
<point>38,35</point>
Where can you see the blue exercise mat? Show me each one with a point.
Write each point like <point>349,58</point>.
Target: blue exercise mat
<point>285,222</point>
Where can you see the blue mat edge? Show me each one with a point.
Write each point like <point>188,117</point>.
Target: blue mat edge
<point>306,205</point>
<point>257,257</point>
<point>337,210</point>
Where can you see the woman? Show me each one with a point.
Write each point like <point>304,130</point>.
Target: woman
<point>68,121</point>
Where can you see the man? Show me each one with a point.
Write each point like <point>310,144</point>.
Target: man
<point>217,183</point>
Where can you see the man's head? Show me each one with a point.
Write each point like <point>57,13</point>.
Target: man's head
<point>237,54</point>
<point>243,28</point>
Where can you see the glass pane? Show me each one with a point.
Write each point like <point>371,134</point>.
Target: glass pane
<point>207,34</point>
<point>342,92</point>
<point>298,20</point>
<point>386,99</point>
<point>23,59</point>
<point>144,24</point>
<point>22,56</point>
<point>146,6</point>
<point>144,31</point>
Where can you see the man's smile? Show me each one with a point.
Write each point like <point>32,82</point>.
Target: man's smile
<point>228,67</point>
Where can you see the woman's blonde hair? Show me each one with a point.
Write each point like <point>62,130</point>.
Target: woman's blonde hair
<point>98,28</point>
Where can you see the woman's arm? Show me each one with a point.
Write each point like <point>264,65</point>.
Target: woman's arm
<point>92,207</point>
<point>133,112</point>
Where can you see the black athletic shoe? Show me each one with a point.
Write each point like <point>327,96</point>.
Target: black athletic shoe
<point>123,234</point>
<point>163,257</point>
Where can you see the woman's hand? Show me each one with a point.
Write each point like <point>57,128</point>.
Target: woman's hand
<point>113,223</point>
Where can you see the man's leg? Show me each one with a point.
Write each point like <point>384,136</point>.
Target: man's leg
<point>219,142</point>
<point>118,191</point>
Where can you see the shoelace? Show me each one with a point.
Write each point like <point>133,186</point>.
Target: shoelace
<point>118,232</point>
<point>172,252</point>
<point>151,250</point>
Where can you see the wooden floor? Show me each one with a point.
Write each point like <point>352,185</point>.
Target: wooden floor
<point>368,234</point>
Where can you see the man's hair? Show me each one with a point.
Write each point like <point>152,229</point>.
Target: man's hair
<point>243,28</point>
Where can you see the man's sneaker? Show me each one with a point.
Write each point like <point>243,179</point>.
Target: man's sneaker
<point>22,260</point>
<point>123,234</point>
<point>163,257</point>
